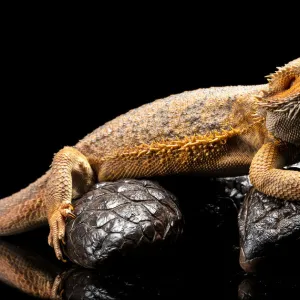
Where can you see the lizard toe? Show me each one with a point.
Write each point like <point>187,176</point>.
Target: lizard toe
<point>57,233</point>
<point>55,293</point>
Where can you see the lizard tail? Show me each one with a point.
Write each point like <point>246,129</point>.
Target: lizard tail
<point>25,209</point>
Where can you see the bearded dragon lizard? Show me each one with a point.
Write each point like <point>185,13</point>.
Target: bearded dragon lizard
<point>219,131</point>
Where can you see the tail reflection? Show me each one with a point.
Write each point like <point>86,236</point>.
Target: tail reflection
<point>27,272</point>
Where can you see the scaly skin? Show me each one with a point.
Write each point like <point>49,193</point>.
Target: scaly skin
<point>24,210</point>
<point>214,132</point>
<point>28,273</point>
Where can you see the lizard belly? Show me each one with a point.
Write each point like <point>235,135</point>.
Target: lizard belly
<point>225,157</point>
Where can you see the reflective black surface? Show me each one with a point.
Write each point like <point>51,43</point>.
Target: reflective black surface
<point>186,269</point>
<point>203,262</point>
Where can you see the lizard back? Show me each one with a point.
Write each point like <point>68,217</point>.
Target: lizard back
<point>175,117</point>
<point>183,118</point>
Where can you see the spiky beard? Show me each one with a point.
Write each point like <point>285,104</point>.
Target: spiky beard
<point>287,106</point>
<point>292,109</point>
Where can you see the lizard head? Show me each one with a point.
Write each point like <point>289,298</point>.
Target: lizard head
<point>280,103</point>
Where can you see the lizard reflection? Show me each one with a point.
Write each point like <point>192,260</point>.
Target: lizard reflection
<point>39,278</point>
<point>27,272</point>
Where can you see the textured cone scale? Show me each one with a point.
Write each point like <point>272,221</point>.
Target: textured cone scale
<point>121,218</point>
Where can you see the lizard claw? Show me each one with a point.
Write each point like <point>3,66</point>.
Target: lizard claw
<point>58,227</point>
<point>71,215</point>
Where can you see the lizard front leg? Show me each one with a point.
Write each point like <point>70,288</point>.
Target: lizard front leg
<point>71,176</point>
<point>267,177</point>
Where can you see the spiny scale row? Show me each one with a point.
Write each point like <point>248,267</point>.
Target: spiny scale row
<point>206,143</point>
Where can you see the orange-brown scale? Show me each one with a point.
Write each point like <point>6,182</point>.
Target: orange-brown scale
<point>19,271</point>
<point>267,174</point>
<point>217,153</point>
<point>24,210</point>
<point>25,215</point>
<point>193,113</point>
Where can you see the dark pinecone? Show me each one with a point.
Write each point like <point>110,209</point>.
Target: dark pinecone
<point>115,218</point>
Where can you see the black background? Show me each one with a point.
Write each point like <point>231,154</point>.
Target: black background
<point>60,84</point>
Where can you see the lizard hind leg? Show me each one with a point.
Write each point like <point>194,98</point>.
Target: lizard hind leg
<point>71,175</point>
